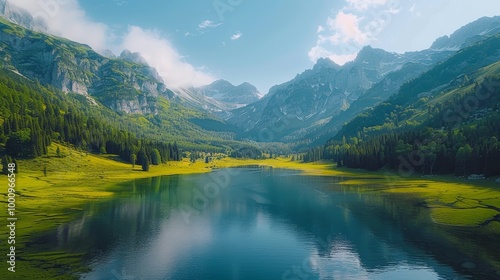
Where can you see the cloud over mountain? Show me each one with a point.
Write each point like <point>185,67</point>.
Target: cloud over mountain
<point>67,19</point>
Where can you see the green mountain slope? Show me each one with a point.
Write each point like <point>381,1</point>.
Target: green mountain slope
<point>73,67</point>
<point>445,121</point>
<point>33,116</point>
<point>138,100</point>
<point>378,93</point>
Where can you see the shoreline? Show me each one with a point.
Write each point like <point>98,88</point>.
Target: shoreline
<point>44,202</point>
<point>75,182</point>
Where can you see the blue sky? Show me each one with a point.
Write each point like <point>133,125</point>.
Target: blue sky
<point>258,41</point>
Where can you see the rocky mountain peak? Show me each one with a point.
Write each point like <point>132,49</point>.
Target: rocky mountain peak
<point>373,55</point>
<point>325,62</point>
<point>135,57</point>
<point>21,17</point>
<point>468,34</point>
<point>248,86</point>
<point>108,53</point>
<point>220,83</point>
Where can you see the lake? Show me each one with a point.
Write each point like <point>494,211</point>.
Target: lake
<point>261,223</point>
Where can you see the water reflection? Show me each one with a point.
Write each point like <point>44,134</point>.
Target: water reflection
<point>266,224</point>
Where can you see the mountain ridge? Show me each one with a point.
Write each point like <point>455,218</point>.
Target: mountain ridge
<point>448,117</point>
<point>219,98</point>
<point>317,97</point>
<point>72,67</point>
<point>469,34</point>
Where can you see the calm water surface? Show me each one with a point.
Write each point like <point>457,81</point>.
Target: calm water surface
<point>253,223</point>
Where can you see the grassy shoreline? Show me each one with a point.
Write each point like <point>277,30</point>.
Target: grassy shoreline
<point>44,202</point>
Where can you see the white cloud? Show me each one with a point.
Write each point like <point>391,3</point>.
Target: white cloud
<point>160,54</point>
<point>362,5</point>
<point>352,27</point>
<point>236,36</point>
<point>346,28</point>
<point>67,19</point>
<point>208,24</point>
<point>318,52</point>
<point>342,59</point>
<point>203,27</point>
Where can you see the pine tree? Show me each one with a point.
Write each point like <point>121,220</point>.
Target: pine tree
<point>145,164</point>
<point>155,157</point>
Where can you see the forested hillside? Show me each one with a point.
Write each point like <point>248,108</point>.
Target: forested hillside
<point>445,121</point>
<point>33,116</point>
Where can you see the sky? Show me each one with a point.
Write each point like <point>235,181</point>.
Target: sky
<point>263,42</point>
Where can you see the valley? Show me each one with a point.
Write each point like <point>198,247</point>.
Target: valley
<point>101,141</point>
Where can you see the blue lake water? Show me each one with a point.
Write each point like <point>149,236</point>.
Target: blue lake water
<point>254,223</point>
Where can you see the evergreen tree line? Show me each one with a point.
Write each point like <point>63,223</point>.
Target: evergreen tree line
<point>313,155</point>
<point>247,152</point>
<point>33,117</point>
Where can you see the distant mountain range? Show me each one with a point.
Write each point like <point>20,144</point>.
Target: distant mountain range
<point>219,98</point>
<point>315,97</point>
<point>315,104</point>
<point>469,34</point>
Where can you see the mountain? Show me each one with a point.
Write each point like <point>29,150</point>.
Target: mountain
<point>135,57</point>
<point>123,85</point>
<point>389,86</point>
<point>435,85</point>
<point>21,17</point>
<point>219,98</point>
<point>126,85</point>
<point>226,92</point>
<point>314,97</point>
<point>469,34</point>
<point>108,53</point>
<point>380,92</point>
<point>315,104</point>
<point>448,117</point>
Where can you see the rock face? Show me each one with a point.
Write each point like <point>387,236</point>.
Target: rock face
<point>226,92</point>
<point>219,98</point>
<point>21,17</point>
<point>136,57</point>
<point>108,53</point>
<point>126,85</point>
